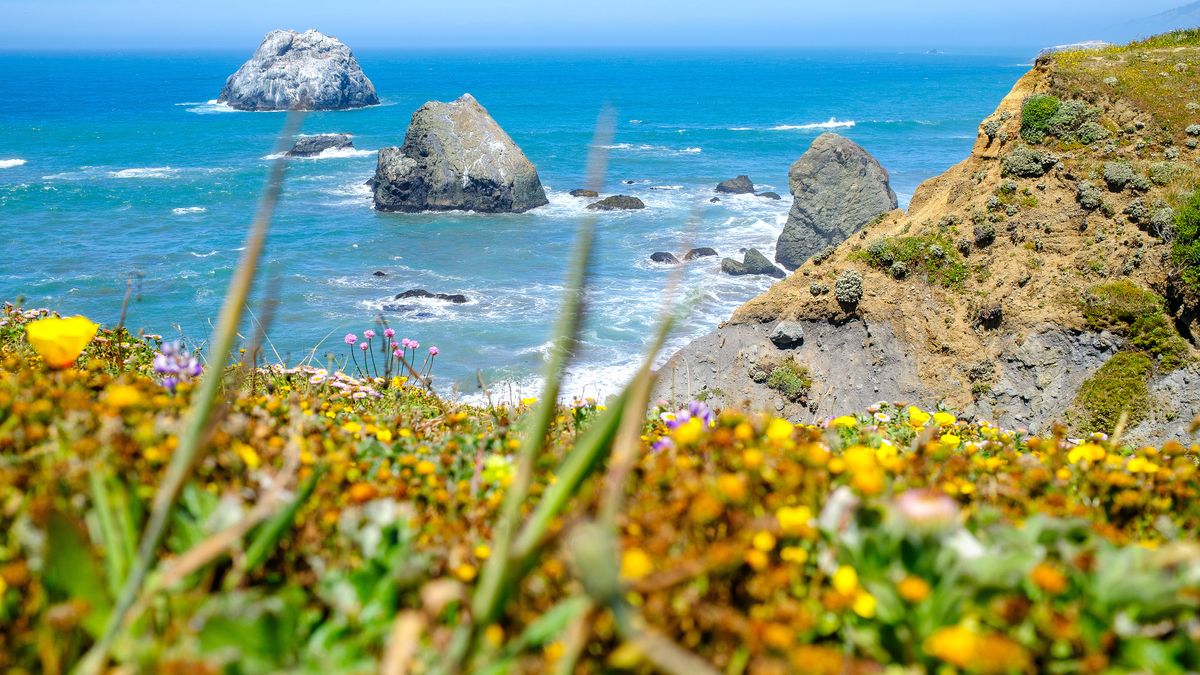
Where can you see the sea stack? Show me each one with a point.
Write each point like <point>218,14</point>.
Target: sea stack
<point>455,157</point>
<point>837,188</point>
<point>299,71</point>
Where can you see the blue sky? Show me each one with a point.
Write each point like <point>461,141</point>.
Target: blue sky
<point>369,24</point>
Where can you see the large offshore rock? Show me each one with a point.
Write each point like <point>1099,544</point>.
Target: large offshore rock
<point>837,187</point>
<point>754,262</point>
<point>456,158</point>
<point>299,71</point>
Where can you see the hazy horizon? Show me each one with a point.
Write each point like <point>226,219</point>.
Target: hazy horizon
<point>375,24</point>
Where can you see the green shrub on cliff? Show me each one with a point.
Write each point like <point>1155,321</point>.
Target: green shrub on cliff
<point>1185,249</point>
<point>1120,386</point>
<point>1138,315</point>
<point>933,255</point>
<point>1036,116</point>
<point>791,379</point>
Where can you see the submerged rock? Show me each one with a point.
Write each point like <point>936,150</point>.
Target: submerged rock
<point>736,186</point>
<point>664,257</point>
<point>309,146</point>
<point>299,71</point>
<point>753,263</point>
<point>702,252</point>
<point>769,195</point>
<point>837,187</point>
<point>456,158</point>
<point>379,273</point>
<point>456,298</point>
<point>617,203</point>
<point>584,193</point>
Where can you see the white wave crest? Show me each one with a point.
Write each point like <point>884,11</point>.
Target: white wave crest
<point>203,255</point>
<point>10,163</point>
<point>188,210</point>
<point>328,153</point>
<point>145,172</point>
<point>832,123</point>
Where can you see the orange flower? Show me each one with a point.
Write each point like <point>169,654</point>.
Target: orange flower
<point>913,589</point>
<point>1049,578</point>
<point>60,341</point>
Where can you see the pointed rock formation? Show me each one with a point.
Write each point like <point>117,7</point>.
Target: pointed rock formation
<point>299,71</point>
<point>456,158</point>
<point>838,187</point>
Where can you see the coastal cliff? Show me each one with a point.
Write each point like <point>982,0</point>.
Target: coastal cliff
<point>1051,276</point>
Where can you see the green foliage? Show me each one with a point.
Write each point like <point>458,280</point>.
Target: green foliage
<point>790,379</point>
<point>935,256</point>
<point>1137,314</point>
<point>1120,386</point>
<point>1185,249</point>
<point>1036,116</point>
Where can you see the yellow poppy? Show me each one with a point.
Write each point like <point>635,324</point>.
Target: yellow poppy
<point>60,341</point>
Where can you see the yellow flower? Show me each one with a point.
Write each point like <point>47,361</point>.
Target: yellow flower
<point>1088,451</point>
<point>917,417</point>
<point>780,430</point>
<point>844,422</point>
<point>465,573</point>
<point>494,635</point>
<point>954,645</point>
<point>122,396</point>
<point>1141,465</point>
<point>529,401</point>
<point>845,580</point>
<point>426,467</point>
<point>352,427</point>
<point>483,551</point>
<point>757,560</point>
<point>763,541</point>
<point>688,432</point>
<point>794,554</point>
<point>913,589</point>
<point>60,341</point>
<point>864,605</point>
<point>635,564</point>
<point>384,435</point>
<point>950,441</point>
<point>944,419</point>
<point>793,520</point>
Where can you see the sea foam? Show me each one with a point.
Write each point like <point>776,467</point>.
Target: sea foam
<point>10,163</point>
<point>145,172</point>
<point>188,210</point>
<point>832,123</point>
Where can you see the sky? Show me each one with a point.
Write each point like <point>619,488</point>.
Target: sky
<point>400,24</point>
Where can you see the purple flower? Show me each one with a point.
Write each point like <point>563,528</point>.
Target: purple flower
<point>663,443</point>
<point>368,334</point>
<point>350,338</point>
<point>176,364</point>
<point>697,409</point>
<point>433,351</point>
<point>363,346</point>
<point>389,333</point>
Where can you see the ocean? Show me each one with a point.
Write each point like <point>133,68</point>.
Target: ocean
<point>114,165</point>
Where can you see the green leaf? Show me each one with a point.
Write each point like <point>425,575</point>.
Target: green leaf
<point>73,572</point>
<point>547,627</point>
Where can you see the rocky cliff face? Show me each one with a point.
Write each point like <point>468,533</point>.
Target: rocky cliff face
<point>837,188</point>
<point>1043,280</point>
<point>299,71</point>
<point>455,157</point>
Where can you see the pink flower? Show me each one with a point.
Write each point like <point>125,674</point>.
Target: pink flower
<point>389,333</point>
<point>406,342</point>
<point>926,510</point>
<point>363,346</point>
<point>350,338</point>
<point>396,353</point>
<point>433,351</point>
<point>414,344</point>
<point>368,334</point>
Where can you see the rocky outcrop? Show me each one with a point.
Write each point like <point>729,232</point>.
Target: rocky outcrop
<point>311,146</point>
<point>456,298</point>
<point>837,187</point>
<point>299,71</point>
<point>852,366</point>
<point>456,158</point>
<point>702,252</point>
<point>617,203</point>
<point>736,186</point>
<point>769,195</point>
<point>753,263</point>
<point>585,193</point>
<point>664,257</point>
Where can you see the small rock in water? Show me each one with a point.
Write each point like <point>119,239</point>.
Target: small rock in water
<point>311,146</point>
<point>715,200</point>
<point>664,257</point>
<point>736,186</point>
<point>754,263</point>
<point>787,334</point>
<point>628,182</point>
<point>379,273</point>
<point>456,298</point>
<point>617,203</point>
<point>701,252</point>
<point>584,193</point>
<point>769,195</point>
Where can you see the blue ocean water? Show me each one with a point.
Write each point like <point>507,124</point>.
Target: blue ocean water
<point>120,164</point>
